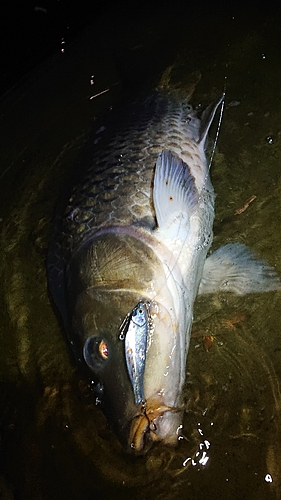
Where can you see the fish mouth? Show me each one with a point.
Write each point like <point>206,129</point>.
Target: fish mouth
<point>148,425</point>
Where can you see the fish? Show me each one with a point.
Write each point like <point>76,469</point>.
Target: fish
<point>129,254</point>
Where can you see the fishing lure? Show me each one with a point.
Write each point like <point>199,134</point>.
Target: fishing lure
<point>134,330</point>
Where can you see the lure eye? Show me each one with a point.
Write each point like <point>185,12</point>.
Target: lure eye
<point>96,353</point>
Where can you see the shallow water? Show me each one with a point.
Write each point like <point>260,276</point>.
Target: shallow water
<point>55,443</point>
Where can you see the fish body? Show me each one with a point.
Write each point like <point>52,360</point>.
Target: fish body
<point>136,229</point>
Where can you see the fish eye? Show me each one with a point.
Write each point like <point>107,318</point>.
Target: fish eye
<point>103,349</point>
<point>96,352</point>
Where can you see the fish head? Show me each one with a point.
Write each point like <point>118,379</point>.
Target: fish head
<point>107,280</point>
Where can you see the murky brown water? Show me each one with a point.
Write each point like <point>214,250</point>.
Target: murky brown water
<point>55,444</point>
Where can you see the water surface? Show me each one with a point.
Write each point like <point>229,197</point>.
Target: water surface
<point>55,443</point>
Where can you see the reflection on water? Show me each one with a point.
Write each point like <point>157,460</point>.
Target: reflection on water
<point>55,442</point>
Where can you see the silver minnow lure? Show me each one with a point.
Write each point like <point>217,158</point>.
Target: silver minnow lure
<point>135,348</point>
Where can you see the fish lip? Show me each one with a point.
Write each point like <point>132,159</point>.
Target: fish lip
<point>143,429</point>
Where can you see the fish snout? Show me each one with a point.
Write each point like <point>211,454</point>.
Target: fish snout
<point>153,422</point>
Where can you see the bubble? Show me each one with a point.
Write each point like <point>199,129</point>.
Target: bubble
<point>269,139</point>
<point>62,43</point>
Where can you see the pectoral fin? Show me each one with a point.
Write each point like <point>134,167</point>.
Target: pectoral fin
<point>174,194</point>
<point>234,268</point>
<point>207,119</point>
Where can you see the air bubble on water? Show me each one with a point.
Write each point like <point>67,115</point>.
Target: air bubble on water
<point>207,444</point>
<point>201,457</point>
<point>62,43</point>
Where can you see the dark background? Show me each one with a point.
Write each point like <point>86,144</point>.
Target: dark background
<point>34,29</point>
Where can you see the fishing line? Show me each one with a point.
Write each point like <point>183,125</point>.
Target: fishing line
<point>219,124</point>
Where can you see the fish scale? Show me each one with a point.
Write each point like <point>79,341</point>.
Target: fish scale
<point>126,172</point>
